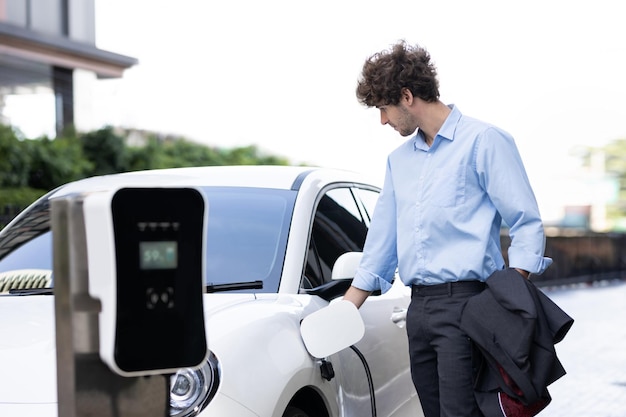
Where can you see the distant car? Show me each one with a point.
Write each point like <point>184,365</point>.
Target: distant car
<point>284,226</point>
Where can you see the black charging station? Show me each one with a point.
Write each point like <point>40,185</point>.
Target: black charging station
<point>158,237</point>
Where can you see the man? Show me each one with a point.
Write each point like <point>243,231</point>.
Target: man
<point>446,192</point>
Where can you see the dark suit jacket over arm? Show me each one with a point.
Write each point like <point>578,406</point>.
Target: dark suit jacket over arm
<point>515,327</point>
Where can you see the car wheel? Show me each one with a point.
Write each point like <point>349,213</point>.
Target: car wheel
<point>294,412</point>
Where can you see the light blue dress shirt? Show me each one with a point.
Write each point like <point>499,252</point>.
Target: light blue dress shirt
<point>439,214</point>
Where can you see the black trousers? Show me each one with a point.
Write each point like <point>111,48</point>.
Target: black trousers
<point>440,353</point>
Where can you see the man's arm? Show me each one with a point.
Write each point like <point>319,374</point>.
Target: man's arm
<point>504,178</point>
<point>356,296</point>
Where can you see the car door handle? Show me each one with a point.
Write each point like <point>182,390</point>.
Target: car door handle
<point>399,316</point>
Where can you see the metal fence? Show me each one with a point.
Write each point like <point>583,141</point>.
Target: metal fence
<point>580,257</point>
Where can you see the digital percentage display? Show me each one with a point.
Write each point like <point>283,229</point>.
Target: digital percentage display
<point>158,255</point>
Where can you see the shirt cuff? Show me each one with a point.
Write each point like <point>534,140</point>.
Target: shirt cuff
<point>532,264</point>
<point>367,281</point>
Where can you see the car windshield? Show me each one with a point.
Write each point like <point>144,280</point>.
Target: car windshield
<point>246,237</point>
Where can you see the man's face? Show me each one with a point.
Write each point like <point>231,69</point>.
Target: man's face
<point>398,117</point>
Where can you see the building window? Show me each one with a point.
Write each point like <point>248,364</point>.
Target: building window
<point>45,16</point>
<point>27,100</point>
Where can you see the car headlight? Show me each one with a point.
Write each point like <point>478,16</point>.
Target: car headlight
<point>192,389</point>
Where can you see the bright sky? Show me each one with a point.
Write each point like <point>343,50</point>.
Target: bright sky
<point>281,74</point>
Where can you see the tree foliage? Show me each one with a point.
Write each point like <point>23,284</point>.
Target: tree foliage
<point>615,164</point>
<point>613,156</point>
<point>56,161</point>
<point>15,159</point>
<point>30,167</point>
<point>105,150</point>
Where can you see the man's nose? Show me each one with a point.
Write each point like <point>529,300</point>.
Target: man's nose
<point>383,118</point>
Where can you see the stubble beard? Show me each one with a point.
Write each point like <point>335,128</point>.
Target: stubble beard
<point>406,125</point>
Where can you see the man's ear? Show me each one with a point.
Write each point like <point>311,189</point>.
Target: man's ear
<point>406,96</point>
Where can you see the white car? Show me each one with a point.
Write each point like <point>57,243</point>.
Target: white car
<point>284,226</point>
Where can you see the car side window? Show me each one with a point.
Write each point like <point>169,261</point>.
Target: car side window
<point>368,198</point>
<point>338,227</point>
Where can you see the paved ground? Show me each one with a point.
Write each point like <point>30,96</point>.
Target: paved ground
<point>593,352</point>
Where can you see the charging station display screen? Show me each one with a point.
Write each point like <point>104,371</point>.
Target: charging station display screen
<point>158,255</point>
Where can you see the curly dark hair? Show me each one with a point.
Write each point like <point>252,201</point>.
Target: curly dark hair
<point>387,72</point>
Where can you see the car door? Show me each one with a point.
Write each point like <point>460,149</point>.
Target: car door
<point>381,357</point>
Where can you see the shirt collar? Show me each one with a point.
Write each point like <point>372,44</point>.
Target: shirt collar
<point>445,132</point>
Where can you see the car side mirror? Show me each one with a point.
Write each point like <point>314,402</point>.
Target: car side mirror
<point>346,265</point>
<point>345,268</point>
<point>332,328</point>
